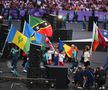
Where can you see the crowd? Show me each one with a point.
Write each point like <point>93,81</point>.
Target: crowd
<point>84,76</point>
<point>82,5</point>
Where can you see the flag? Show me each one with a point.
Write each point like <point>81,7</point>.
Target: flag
<point>95,41</point>
<point>27,30</point>
<point>60,46</point>
<point>47,30</point>
<point>18,39</point>
<point>41,26</point>
<point>105,33</point>
<point>33,21</point>
<point>37,38</point>
<point>48,43</point>
<point>97,38</point>
<point>68,50</point>
<point>47,40</point>
<point>101,39</point>
<point>34,36</point>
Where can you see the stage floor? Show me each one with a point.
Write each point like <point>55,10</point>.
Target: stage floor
<point>98,59</point>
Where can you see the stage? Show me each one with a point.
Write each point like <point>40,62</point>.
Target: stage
<point>98,59</point>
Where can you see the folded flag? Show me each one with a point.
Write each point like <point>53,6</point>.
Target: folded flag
<point>16,37</point>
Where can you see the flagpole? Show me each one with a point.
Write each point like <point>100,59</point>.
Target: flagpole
<point>29,19</point>
<point>52,46</point>
<point>92,40</point>
<point>5,41</point>
<point>92,37</point>
<point>24,27</point>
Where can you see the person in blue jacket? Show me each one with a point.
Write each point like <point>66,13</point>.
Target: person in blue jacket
<point>88,78</point>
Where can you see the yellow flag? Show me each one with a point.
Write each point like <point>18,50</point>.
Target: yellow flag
<point>67,49</point>
<point>20,40</point>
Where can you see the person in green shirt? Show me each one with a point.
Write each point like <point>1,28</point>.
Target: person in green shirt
<point>15,54</point>
<point>45,57</point>
<point>74,59</point>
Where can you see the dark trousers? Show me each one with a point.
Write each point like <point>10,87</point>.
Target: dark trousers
<point>55,60</point>
<point>24,62</point>
<point>74,64</point>
<point>84,25</point>
<point>14,64</point>
<point>87,63</point>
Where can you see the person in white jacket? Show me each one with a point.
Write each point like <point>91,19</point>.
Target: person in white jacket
<point>50,52</point>
<point>61,58</point>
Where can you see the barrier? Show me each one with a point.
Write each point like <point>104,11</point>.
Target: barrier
<point>60,74</point>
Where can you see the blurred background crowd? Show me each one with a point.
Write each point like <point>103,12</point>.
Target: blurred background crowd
<point>80,5</point>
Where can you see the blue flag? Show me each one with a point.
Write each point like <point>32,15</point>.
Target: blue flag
<point>27,30</point>
<point>37,38</point>
<point>11,34</point>
<point>60,46</point>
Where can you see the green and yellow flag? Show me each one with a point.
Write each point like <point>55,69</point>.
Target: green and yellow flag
<point>19,39</point>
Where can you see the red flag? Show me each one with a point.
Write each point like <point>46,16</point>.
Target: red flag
<point>46,31</point>
<point>101,39</point>
<point>68,50</point>
<point>97,38</point>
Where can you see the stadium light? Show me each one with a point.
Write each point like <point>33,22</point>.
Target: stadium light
<point>1,19</point>
<point>60,16</point>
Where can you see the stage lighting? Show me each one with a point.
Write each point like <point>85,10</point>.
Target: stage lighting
<point>1,19</point>
<point>60,16</point>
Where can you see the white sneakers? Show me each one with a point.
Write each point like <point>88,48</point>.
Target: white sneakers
<point>101,88</point>
<point>80,88</point>
<point>25,70</point>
